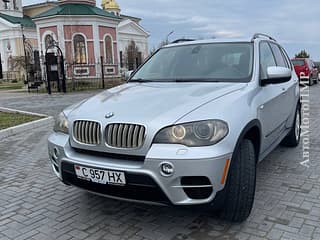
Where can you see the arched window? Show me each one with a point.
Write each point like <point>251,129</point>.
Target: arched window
<point>109,50</point>
<point>48,41</point>
<point>80,51</point>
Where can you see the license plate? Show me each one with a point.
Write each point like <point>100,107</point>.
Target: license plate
<point>100,176</point>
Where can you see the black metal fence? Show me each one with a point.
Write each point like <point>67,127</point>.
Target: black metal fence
<point>12,76</point>
<point>89,76</point>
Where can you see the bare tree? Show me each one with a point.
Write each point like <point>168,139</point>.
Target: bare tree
<point>160,45</point>
<point>132,56</point>
<point>17,63</point>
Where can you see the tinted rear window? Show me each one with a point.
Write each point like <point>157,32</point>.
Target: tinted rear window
<point>298,62</point>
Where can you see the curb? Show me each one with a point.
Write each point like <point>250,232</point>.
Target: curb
<point>46,121</point>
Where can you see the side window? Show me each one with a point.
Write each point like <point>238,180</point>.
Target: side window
<point>266,59</point>
<point>278,55</point>
<point>286,58</point>
<point>312,63</point>
<point>307,63</point>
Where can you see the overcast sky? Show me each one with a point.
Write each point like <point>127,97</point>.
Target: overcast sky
<point>294,23</point>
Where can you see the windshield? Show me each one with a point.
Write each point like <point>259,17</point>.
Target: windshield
<point>223,62</point>
<point>298,62</point>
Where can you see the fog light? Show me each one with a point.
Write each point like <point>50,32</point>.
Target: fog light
<point>166,169</point>
<point>55,154</point>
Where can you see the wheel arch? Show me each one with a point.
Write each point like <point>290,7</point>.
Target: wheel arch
<point>252,131</point>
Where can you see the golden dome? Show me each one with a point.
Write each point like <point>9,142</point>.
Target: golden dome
<point>110,5</point>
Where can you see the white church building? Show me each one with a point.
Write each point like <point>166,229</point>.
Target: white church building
<point>13,26</point>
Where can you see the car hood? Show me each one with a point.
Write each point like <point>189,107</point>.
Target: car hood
<point>145,103</point>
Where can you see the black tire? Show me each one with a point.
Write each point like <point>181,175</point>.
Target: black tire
<point>310,81</point>
<point>241,184</point>
<point>293,138</point>
<point>315,81</point>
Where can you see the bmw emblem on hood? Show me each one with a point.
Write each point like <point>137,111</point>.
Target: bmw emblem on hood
<point>109,115</point>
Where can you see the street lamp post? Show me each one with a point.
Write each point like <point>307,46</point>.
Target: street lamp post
<point>168,35</point>
<point>25,56</point>
<point>6,3</point>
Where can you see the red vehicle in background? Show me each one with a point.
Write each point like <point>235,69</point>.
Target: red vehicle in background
<point>305,68</point>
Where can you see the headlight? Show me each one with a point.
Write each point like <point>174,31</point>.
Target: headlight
<point>194,134</point>
<point>61,124</point>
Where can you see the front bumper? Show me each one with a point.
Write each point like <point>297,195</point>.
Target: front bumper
<point>198,173</point>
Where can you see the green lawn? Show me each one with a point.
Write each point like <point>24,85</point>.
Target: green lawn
<point>13,119</point>
<point>11,86</point>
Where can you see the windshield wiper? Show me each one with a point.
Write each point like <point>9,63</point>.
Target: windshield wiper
<point>196,80</point>
<point>140,80</point>
<point>153,80</point>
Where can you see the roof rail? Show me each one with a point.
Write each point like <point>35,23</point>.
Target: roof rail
<point>257,35</point>
<point>181,40</point>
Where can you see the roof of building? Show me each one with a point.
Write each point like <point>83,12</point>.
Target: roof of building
<point>136,19</point>
<point>138,28</point>
<point>75,9</point>
<point>48,3</point>
<point>24,21</point>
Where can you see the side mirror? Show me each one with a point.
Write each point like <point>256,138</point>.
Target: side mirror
<point>277,75</point>
<point>127,75</point>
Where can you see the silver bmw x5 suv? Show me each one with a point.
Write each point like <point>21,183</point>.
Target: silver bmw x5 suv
<point>188,127</point>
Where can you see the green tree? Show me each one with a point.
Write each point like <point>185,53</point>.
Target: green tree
<point>302,54</point>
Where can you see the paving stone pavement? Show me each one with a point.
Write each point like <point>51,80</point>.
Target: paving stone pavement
<point>34,204</point>
<point>42,103</point>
